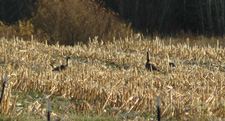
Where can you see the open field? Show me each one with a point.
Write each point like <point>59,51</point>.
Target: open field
<point>108,81</point>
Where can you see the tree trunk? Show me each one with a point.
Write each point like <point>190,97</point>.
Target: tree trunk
<point>201,17</point>
<point>222,16</point>
<point>218,17</point>
<point>2,10</point>
<point>136,19</point>
<point>166,7</point>
<point>209,15</point>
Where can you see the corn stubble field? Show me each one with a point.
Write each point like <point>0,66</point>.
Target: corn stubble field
<point>110,80</point>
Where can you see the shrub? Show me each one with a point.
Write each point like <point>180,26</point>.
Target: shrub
<point>23,29</point>
<point>70,21</point>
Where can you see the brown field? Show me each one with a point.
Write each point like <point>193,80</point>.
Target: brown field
<point>108,81</point>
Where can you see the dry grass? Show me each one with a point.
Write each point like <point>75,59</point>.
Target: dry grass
<point>109,79</point>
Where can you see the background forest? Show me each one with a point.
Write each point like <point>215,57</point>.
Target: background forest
<point>171,16</point>
<point>77,20</point>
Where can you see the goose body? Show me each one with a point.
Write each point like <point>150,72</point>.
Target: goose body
<point>171,64</point>
<point>149,66</point>
<point>61,67</point>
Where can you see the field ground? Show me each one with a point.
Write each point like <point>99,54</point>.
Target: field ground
<point>108,81</point>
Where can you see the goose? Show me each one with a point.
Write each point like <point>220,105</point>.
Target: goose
<point>62,67</point>
<point>150,66</point>
<point>171,64</point>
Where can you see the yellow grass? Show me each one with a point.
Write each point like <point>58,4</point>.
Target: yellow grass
<point>109,79</point>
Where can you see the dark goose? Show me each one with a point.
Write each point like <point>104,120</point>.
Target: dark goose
<point>150,66</point>
<point>62,67</point>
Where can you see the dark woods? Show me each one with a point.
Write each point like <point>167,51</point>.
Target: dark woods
<point>149,16</point>
<point>13,10</point>
<point>173,16</point>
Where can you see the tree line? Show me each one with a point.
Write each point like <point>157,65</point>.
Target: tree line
<point>172,16</point>
<point>162,16</point>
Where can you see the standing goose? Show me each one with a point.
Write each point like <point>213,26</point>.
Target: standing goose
<point>150,66</point>
<point>62,67</point>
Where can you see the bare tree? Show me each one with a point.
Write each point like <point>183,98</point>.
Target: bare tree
<point>222,15</point>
